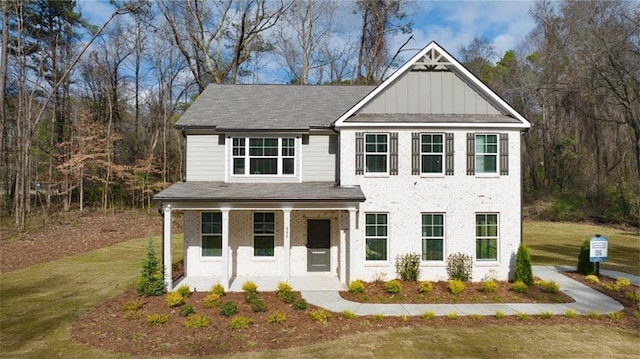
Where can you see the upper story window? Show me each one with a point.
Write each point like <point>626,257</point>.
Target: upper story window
<point>263,156</point>
<point>431,152</point>
<point>376,152</point>
<point>486,153</point>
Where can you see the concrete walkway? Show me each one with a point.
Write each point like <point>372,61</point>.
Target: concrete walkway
<point>586,300</point>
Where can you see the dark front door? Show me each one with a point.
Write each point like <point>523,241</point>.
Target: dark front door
<point>318,245</point>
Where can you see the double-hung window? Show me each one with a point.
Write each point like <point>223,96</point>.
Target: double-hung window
<point>376,152</point>
<point>376,236</point>
<point>431,153</point>
<point>486,236</point>
<point>263,156</point>
<point>211,232</point>
<point>263,234</point>
<point>432,236</point>
<point>486,153</point>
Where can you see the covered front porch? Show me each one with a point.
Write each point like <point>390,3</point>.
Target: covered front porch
<point>307,228</point>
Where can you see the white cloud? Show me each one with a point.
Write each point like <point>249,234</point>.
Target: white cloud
<point>95,12</point>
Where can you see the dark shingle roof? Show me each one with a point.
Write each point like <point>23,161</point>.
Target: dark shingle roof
<point>260,192</point>
<point>431,118</point>
<point>270,107</point>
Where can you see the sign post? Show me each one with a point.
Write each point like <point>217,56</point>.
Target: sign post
<point>598,251</point>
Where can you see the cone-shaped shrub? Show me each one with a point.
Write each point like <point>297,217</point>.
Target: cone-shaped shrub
<point>584,266</point>
<point>523,266</point>
<point>151,281</point>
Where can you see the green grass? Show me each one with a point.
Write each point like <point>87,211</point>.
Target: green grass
<point>559,243</point>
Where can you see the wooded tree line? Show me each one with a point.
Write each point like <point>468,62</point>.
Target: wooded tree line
<point>87,112</point>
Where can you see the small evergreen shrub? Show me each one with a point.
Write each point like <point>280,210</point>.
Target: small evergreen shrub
<point>571,314</point>
<point>632,295</point>
<point>240,322</point>
<point>455,286</point>
<point>251,297</point>
<point>133,314</point>
<point>197,321</point>
<point>613,286</point>
<point>488,286</point>
<point>519,287</point>
<point>228,309</point>
<point>378,317</point>
<point>550,286</point>
<point>623,282</point>
<point>452,315</point>
<point>584,265</point>
<point>132,305</point>
<point>151,281</point>
<point>174,299</point>
<point>428,315</point>
<point>320,315</point>
<point>285,292</point>
<point>592,279</point>
<point>408,266</point>
<point>616,315</point>
<point>425,287</point>
<point>277,317</point>
<point>524,272</point>
<point>258,306</point>
<point>249,287</point>
<point>211,300</point>
<point>545,315</point>
<point>217,289</point>
<point>186,311</point>
<point>184,291</point>
<point>347,314</point>
<point>156,319</point>
<point>459,266</point>
<point>393,287</point>
<point>284,287</point>
<point>593,315</point>
<point>522,316</point>
<point>356,286</point>
<point>300,304</point>
<point>499,315</point>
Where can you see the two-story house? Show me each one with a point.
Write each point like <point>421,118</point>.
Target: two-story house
<point>320,185</point>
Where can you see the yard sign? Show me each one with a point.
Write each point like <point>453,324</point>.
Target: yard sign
<point>598,249</point>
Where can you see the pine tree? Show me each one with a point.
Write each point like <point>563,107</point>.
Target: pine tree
<point>151,282</point>
<point>584,265</point>
<point>524,272</point>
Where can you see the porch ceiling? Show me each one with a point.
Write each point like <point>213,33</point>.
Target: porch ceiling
<point>261,192</point>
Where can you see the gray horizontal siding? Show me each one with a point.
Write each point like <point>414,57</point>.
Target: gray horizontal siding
<point>319,158</point>
<point>205,158</point>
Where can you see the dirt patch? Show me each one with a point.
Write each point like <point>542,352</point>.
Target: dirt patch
<point>74,234</point>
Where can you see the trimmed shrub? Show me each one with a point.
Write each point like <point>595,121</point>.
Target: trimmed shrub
<point>184,291</point>
<point>211,300</point>
<point>320,315</point>
<point>151,281</point>
<point>285,292</point>
<point>284,287</point>
<point>258,306</point>
<point>239,322</point>
<point>174,299</point>
<point>277,317</point>
<point>132,305</point>
<point>300,304</point>
<point>522,316</point>
<point>524,272</point>
<point>217,289</point>
<point>197,321</point>
<point>623,282</point>
<point>425,287</point>
<point>356,286</point>
<point>499,315</point>
<point>545,315</point>
<point>393,287</point>
<point>593,315</point>
<point>570,313</point>
<point>519,287</point>
<point>186,311</point>
<point>378,317</point>
<point>428,315</point>
<point>408,266</point>
<point>347,314</point>
<point>249,287</point>
<point>549,286</point>
<point>584,266</point>
<point>632,295</point>
<point>452,315</point>
<point>459,266</point>
<point>228,309</point>
<point>592,279</point>
<point>156,319</point>
<point>455,286</point>
<point>616,315</point>
<point>251,297</point>
<point>488,286</point>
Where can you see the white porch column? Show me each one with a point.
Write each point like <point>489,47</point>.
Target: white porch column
<point>225,248</point>
<point>166,249</point>
<point>343,251</point>
<point>287,243</point>
<point>353,253</point>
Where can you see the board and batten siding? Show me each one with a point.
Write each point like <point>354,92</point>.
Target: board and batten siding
<point>430,93</point>
<point>319,158</point>
<point>205,158</point>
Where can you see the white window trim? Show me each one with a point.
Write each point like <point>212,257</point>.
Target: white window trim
<point>203,257</point>
<point>442,154</point>
<point>497,237</point>
<point>444,241</point>
<point>376,263</point>
<point>247,158</point>
<point>497,155</point>
<point>387,154</point>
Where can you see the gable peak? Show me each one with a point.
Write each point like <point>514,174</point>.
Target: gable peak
<point>432,60</point>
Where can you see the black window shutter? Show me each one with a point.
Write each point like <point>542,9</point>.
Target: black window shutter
<point>471,154</point>
<point>393,154</point>
<point>415,153</point>
<point>504,154</point>
<point>359,153</point>
<point>449,154</point>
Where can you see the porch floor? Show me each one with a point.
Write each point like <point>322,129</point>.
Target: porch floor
<point>307,283</point>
